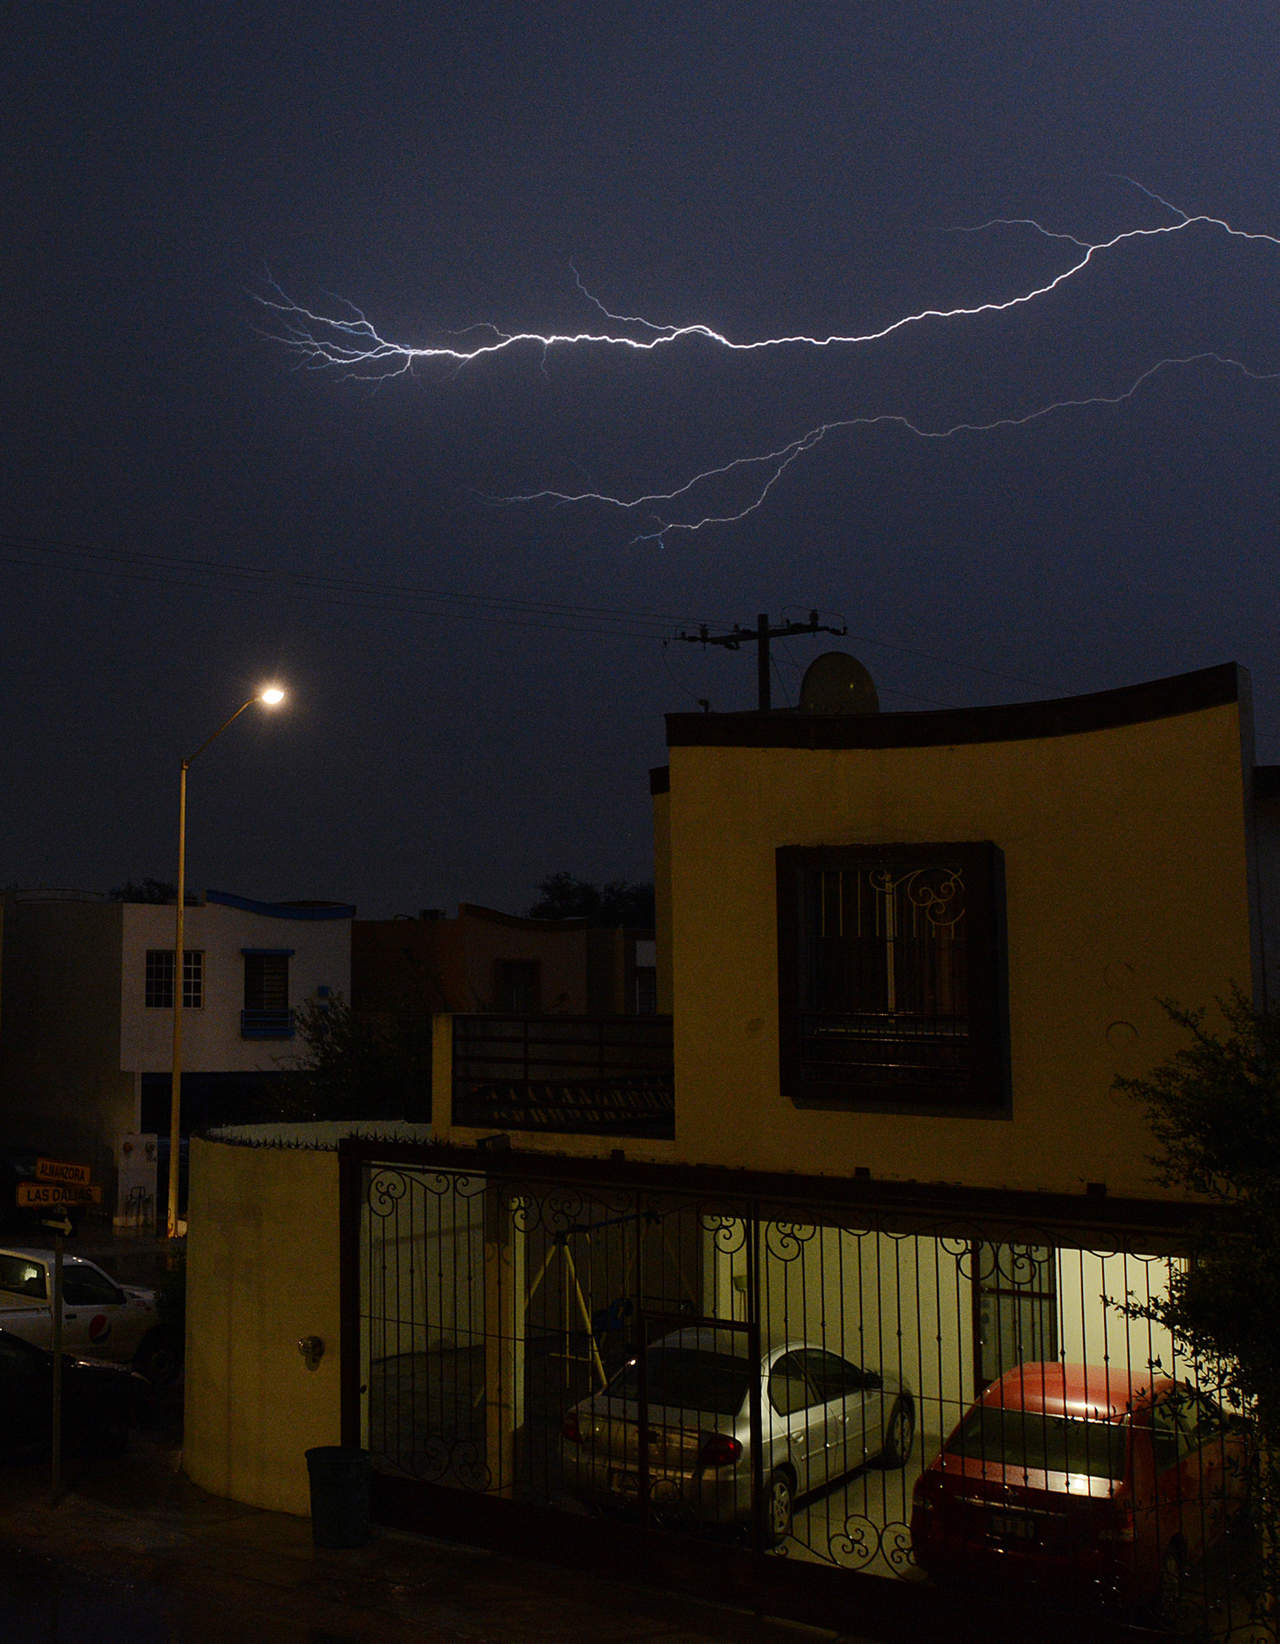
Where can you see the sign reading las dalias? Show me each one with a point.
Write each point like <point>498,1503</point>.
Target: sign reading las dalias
<point>59,1183</point>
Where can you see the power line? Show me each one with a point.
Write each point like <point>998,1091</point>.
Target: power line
<point>759,636</point>
<point>397,597</point>
<point>353,592</point>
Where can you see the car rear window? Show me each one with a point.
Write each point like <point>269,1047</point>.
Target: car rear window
<point>688,1379</point>
<point>1025,1441</point>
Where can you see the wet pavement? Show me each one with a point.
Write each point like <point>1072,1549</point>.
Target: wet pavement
<point>134,1551</point>
<point>56,1605</point>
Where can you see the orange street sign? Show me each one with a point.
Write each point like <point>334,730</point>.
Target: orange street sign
<point>48,1193</point>
<point>54,1170</point>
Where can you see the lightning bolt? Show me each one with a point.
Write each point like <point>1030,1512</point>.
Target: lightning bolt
<point>348,341</point>
<point>770,466</point>
<point>345,341</point>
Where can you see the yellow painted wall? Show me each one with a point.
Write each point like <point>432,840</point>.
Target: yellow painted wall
<point>1126,881</point>
<point>662,897</point>
<point>262,1272</point>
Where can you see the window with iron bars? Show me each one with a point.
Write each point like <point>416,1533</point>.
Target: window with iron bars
<point>891,977</point>
<point>266,1013</point>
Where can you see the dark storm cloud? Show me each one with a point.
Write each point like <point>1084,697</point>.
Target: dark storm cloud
<point>185,513</point>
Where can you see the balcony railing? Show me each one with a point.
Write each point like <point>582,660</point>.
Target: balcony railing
<point>266,1024</point>
<point>609,1075</point>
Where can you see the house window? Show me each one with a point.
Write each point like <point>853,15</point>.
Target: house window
<point>891,977</point>
<point>646,990</point>
<point>517,987</point>
<point>158,988</point>
<point>266,1013</point>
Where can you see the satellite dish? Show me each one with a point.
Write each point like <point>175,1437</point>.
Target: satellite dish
<point>837,683</point>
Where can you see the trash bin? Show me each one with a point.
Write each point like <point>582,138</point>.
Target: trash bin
<point>339,1495</point>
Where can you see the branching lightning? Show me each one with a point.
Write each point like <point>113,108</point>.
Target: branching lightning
<point>775,463</point>
<point>344,340</point>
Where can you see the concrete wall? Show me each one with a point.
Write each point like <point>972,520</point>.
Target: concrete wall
<point>262,1272</point>
<point>61,1084</point>
<point>1126,853</point>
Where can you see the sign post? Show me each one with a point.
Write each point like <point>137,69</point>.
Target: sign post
<point>56,1186</point>
<point>55,1447</point>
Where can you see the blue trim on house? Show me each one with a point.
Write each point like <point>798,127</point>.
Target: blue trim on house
<point>278,953</point>
<point>266,1024</point>
<point>283,910</point>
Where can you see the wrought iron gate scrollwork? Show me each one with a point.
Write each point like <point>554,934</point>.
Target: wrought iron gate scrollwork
<point>386,1189</point>
<point>508,1324</point>
<point>785,1241</point>
<point>862,1541</point>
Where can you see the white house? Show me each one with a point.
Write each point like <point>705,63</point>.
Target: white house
<point>86,1052</point>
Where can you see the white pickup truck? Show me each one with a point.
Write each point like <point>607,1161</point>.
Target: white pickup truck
<point>100,1318</point>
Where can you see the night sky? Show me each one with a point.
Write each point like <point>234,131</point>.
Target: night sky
<point>477,685</point>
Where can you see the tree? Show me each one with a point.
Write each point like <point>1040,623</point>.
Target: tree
<point>1214,1109</point>
<point>356,1067</point>
<point>619,902</point>
<point>148,890</point>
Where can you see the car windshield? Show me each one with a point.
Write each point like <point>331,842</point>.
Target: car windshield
<point>1029,1441</point>
<point>688,1378</point>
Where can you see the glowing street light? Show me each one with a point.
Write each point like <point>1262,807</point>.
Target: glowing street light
<point>270,696</point>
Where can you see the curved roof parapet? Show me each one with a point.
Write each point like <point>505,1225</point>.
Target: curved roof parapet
<point>283,910</point>
<point>1006,722</point>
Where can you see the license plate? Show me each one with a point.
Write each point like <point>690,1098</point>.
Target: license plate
<point>1012,1527</point>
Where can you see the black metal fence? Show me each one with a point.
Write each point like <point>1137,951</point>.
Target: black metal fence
<point>585,1074</point>
<point>652,1361</point>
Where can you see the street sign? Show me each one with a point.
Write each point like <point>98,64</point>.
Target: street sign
<point>49,1193</point>
<point>57,1170</point>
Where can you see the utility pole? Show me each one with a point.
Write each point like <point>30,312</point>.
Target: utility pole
<point>760,636</point>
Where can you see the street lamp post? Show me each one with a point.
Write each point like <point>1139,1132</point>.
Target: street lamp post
<point>271,696</point>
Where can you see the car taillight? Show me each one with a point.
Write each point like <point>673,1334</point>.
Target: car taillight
<point>719,1451</point>
<point>570,1430</point>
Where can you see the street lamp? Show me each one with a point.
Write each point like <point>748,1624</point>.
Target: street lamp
<point>270,696</point>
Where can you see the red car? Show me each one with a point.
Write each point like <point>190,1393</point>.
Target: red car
<point>1082,1476</point>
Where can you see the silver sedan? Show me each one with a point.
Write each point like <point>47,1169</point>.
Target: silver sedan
<point>821,1417</point>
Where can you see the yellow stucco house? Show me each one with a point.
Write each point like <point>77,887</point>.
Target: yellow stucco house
<point>906,957</point>
<point>923,946</point>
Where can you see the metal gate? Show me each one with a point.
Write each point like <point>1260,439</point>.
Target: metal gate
<point>735,1383</point>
